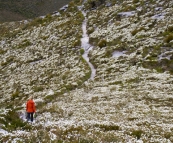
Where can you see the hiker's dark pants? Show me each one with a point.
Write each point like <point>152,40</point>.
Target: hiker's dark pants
<point>30,116</point>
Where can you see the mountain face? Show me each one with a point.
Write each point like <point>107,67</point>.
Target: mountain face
<point>15,10</point>
<point>99,71</point>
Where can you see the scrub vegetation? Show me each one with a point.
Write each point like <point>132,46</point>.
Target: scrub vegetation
<point>130,98</point>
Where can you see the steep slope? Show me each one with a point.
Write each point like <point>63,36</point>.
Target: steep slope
<point>130,98</point>
<point>13,10</point>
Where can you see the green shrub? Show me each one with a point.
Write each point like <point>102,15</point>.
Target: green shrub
<point>13,122</point>
<point>82,51</point>
<point>4,64</point>
<point>2,52</point>
<point>167,135</point>
<point>77,43</point>
<point>84,140</point>
<point>115,41</point>
<point>135,1</point>
<point>170,29</point>
<point>108,52</point>
<point>95,99</point>
<point>110,138</point>
<point>14,95</point>
<point>90,30</point>
<point>70,86</point>
<point>135,31</point>
<point>38,88</point>
<point>128,7</point>
<point>80,16</point>
<point>9,59</point>
<point>168,38</point>
<point>77,1</point>
<point>108,127</point>
<point>94,41</point>
<point>102,43</point>
<point>137,133</point>
<point>37,21</point>
<point>23,44</point>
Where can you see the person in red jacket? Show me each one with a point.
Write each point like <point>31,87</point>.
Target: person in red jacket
<point>30,109</point>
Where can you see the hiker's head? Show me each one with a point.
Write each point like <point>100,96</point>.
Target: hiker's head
<point>31,97</point>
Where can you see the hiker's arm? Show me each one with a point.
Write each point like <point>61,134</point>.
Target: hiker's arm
<point>34,108</point>
<point>26,106</point>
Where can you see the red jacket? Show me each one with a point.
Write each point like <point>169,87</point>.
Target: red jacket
<point>30,106</point>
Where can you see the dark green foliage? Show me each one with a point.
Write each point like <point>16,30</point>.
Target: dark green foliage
<point>151,54</point>
<point>82,51</point>
<point>169,38</point>
<point>77,1</point>
<point>24,44</point>
<point>39,21</point>
<point>91,4</point>
<point>77,43</point>
<point>9,60</point>
<point>93,41</point>
<point>90,30</point>
<point>170,29</point>
<point>108,127</point>
<point>110,138</point>
<point>128,7</point>
<point>83,140</point>
<point>50,98</point>
<point>153,50</point>
<point>168,135</point>
<point>137,133</point>
<point>135,1</point>
<point>116,82</point>
<point>108,52</point>
<point>132,118</point>
<point>102,43</point>
<point>115,41</point>
<point>70,87</point>
<point>134,32</point>
<point>2,51</point>
<point>14,95</point>
<point>38,88</point>
<point>13,122</point>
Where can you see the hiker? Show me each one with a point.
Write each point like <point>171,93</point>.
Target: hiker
<point>30,109</point>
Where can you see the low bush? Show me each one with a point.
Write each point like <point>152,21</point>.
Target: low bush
<point>108,127</point>
<point>135,31</point>
<point>110,138</point>
<point>37,21</point>
<point>82,51</point>
<point>13,122</point>
<point>38,88</point>
<point>108,52</point>
<point>168,135</point>
<point>170,29</point>
<point>77,43</point>
<point>137,133</point>
<point>168,38</point>
<point>24,44</point>
<point>135,1</point>
<point>102,43</point>
<point>14,95</point>
<point>2,52</point>
<point>90,30</point>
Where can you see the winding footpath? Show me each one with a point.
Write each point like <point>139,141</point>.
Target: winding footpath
<point>86,46</point>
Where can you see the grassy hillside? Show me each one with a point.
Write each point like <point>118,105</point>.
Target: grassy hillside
<point>130,98</point>
<point>15,10</point>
